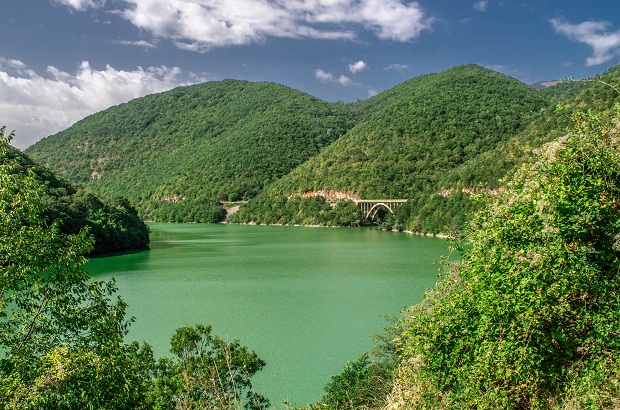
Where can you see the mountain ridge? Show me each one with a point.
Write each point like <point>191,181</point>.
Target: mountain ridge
<point>209,142</point>
<point>416,134</point>
<point>177,155</point>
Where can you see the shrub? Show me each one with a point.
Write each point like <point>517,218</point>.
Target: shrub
<point>530,318</point>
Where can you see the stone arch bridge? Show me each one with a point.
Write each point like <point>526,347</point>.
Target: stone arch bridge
<point>370,207</point>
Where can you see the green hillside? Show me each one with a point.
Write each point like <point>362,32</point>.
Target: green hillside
<point>113,223</point>
<point>416,138</point>
<point>177,154</point>
<point>596,94</point>
<point>434,140</point>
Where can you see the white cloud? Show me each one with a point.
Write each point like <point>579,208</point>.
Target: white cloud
<point>81,4</point>
<point>596,34</point>
<point>326,78</point>
<point>323,76</point>
<point>16,64</point>
<point>140,43</point>
<point>38,105</point>
<point>481,5</point>
<point>357,66</point>
<point>199,25</point>
<point>344,80</point>
<point>397,67</point>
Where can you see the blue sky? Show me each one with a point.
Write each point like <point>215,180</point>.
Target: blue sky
<point>61,60</point>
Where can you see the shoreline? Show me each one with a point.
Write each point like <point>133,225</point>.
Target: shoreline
<point>434,235</point>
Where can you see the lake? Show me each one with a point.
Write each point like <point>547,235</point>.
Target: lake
<point>307,300</point>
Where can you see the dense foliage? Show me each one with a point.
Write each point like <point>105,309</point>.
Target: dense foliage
<point>296,210</point>
<point>175,155</point>
<point>114,224</point>
<point>206,373</point>
<point>62,334</point>
<point>530,317</point>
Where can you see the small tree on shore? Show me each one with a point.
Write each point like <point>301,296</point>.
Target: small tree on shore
<point>206,372</point>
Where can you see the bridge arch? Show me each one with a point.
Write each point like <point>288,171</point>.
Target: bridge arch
<point>370,207</point>
<point>372,212</point>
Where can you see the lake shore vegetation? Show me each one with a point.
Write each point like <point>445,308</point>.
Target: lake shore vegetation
<point>62,334</point>
<point>528,316</point>
<point>113,223</point>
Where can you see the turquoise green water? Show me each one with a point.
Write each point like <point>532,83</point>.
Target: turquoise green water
<point>307,300</point>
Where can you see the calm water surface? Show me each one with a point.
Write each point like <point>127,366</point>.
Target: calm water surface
<point>307,300</point>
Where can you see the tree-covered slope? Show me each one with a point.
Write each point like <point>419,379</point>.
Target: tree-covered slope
<point>113,223</point>
<point>434,140</point>
<point>415,135</point>
<point>177,153</point>
<point>594,94</point>
<point>488,170</point>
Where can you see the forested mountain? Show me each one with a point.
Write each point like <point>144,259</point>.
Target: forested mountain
<point>433,140</point>
<point>596,94</point>
<point>177,154</point>
<point>113,223</point>
<point>415,143</point>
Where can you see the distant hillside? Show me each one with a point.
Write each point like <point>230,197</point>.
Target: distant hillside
<point>114,224</point>
<point>415,137</point>
<point>596,94</point>
<point>565,90</point>
<point>434,140</point>
<point>588,92</point>
<point>177,154</point>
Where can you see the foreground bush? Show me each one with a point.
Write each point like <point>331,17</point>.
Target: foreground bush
<point>61,334</point>
<point>206,372</point>
<point>530,318</point>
